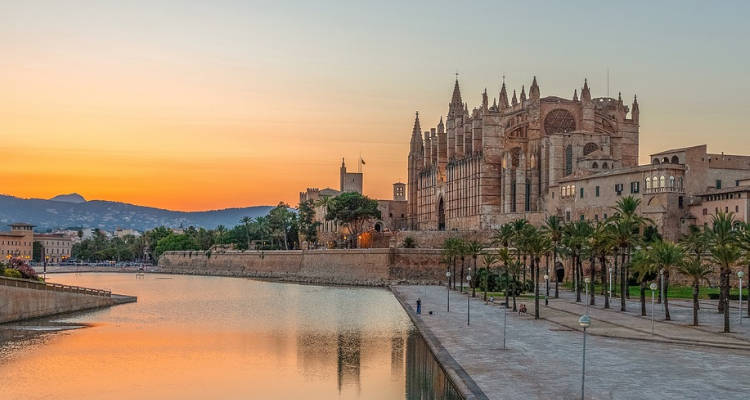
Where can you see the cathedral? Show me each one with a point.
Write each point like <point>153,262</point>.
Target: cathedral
<point>505,160</point>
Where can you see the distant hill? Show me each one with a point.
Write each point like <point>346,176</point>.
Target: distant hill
<point>73,210</point>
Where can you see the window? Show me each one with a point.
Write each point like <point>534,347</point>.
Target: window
<point>648,183</point>
<point>595,165</point>
<point>737,183</point>
<point>605,166</point>
<point>567,216</point>
<point>662,181</point>
<point>680,201</point>
<point>581,192</point>
<point>635,187</point>
<point>736,209</point>
<point>618,188</point>
<point>581,217</point>
<point>671,182</point>
<point>718,183</point>
<point>569,160</point>
<point>597,191</point>
<point>596,217</point>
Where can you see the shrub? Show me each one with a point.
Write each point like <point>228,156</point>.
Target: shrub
<point>11,273</point>
<point>23,268</point>
<point>409,243</point>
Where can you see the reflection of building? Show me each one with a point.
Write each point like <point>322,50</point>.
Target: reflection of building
<point>17,243</point>
<point>538,156</point>
<point>57,247</point>
<point>349,349</point>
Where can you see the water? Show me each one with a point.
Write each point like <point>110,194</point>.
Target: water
<point>192,337</point>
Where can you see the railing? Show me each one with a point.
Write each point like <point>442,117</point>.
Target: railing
<point>29,284</point>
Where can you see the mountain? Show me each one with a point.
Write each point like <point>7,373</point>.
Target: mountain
<point>69,198</point>
<point>73,210</point>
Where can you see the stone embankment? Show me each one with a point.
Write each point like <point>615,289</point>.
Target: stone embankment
<point>367,267</point>
<point>24,299</point>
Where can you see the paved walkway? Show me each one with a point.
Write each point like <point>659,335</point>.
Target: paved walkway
<point>543,358</point>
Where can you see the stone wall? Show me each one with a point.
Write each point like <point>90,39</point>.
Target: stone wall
<point>369,267</point>
<point>19,303</point>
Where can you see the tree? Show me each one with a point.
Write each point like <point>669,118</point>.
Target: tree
<point>694,268</point>
<point>553,228</point>
<point>474,249</point>
<point>744,242</point>
<point>644,271</point>
<point>724,251</point>
<point>353,210</point>
<point>489,260</point>
<point>601,245</point>
<point>666,256</point>
<point>536,244</point>
<point>626,226</point>
<point>308,227</point>
<point>451,248</point>
<point>575,238</point>
<point>174,242</point>
<point>282,221</point>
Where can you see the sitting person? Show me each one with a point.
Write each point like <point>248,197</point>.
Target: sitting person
<point>522,309</point>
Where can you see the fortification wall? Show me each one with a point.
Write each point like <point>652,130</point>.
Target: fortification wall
<point>370,267</point>
<point>19,303</point>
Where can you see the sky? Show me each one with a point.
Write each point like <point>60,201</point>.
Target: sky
<point>197,105</point>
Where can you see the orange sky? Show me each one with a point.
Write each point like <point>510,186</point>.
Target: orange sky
<point>200,106</point>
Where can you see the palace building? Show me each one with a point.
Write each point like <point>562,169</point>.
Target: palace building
<point>533,156</point>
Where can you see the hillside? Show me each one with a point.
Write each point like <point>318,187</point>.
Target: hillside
<point>73,210</point>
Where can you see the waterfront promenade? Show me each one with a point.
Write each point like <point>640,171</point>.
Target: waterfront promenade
<point>543,358</point>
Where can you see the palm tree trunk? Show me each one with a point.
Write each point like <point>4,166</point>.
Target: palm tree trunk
<point>461,285</point>
<point>507,286</point>
<point>725,296</point>
<point>696,288</point>
<point>591,289</point>
<point>473,279</point>
<point>643,298</point>
<point>535,266</point>
<point>486,282</point>
<point>623,284</point>
<point>577,278</point>
<point>554,263</point>
<point>615,276</point>
<point>626,267</point>
<point>524,269</point>
<point>666,298</point>
<point>605,281</point>
<point>514,292</point>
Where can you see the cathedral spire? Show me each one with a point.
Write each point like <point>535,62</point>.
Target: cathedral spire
<point>485,102</point>
<point>585,92</point>
<point>456,102</point>
<point>503,97</point>
<point>441,126</point>
<point>523,94</point>
<point>635,111</point>
<point>494,103</point>
<point>534,90</point>
<point>417,130</point>
<point>515,100</point>
<point>575,94</point>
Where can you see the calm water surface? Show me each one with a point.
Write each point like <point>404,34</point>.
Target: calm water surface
<point>192,337</point>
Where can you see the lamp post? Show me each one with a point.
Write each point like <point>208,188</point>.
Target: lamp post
<point>448,286</point>
<point>653,291</point>
<point>546,295</point>
<point>740,274</point>
<point>584,322</point>
<point>587,280</point>
<point>468,299</point>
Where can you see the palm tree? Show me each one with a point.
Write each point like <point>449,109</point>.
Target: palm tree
<point>744,240</point>
<point>519,225</point>
<point>601,245</point>
<point>536,244</point>
<point>489,260</point>
<point>724,251</point>
<point>462,252</point>
<point>645,271</point>
<point>503,235</point>
<point>666,256</point>
<point>553,229</point>
<point>506,258</point>
<point>694,268</point>
<point>626,224</point>
<point>474,249</point>
<point>247,221</point>
<point>575,238</point>
<point>450,253</point>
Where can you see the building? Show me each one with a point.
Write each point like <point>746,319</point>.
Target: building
<point>535,156</point>
<point>393,212</point>
<point>122,233</point>
<point>18,243</point>
<point>56,247</point>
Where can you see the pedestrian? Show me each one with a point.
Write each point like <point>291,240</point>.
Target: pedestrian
<point>419,305</point>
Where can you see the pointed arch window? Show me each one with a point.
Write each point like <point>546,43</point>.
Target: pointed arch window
<point>661,181</point>
<point>648,183</point>
<point>568,160</point>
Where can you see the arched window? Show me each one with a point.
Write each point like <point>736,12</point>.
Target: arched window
<point>568,160</point>
<point>595,165</point>
<point>656,161</point>
<point>648,183</point>
<point>680,183</point>
<point>675,160</point>
<point>605,165</point>
<point>665,160</point>
<point>671,181</point>
<point>661,181</point>
<point>559,121</point>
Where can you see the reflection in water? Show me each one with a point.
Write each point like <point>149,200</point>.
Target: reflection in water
<point>193,337</point>
<point>425,378</point>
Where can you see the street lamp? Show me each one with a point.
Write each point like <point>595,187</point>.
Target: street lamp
<point>740,274</point>
<point>587,280</point>
<point>468,299</point>
<point>546,295</point>
<point>584,322</point>
<point>652,286</point>
<point>448,286</point>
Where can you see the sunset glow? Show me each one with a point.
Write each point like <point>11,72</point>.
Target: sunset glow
<point>198,105</point>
